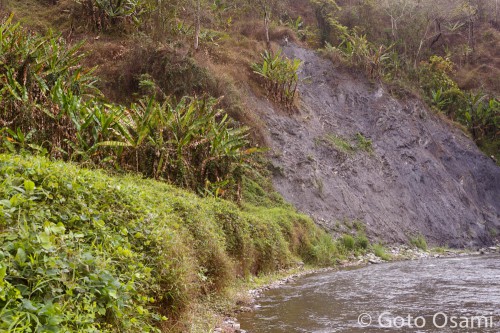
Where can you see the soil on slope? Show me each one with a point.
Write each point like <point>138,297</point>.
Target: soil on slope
<point>420,176</point>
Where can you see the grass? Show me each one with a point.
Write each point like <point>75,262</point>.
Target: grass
<point>419,242</point>
<point>380,251</point>
<point>338,143</point>
<point>344,145</point>
<point>491,148</point>
<point>362,242</point>
<point>364,143</point>
<point>348,242</point>
<point>84,251</point>
<point>440,250</point>
<point>356,245</point>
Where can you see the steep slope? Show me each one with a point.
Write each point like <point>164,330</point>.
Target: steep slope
<point>420,175</point>
<point>84,251</point>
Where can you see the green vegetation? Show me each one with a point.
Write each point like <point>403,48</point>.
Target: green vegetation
<point>429,50</point>
<point>50,106</point>
<point>364,143</point>
<point>380,251</point>
<point>419,242</point>
<point>338,143</point>
<point>104,15</point>
<point>358,52</point>
<point>440,250</point>
<point>82,251</point>
<point>348,242</point>
<point>280,76</point>
<point>479,112</point>
<point>344,145</point>
<point>104,251</point>
<point>362,242</point>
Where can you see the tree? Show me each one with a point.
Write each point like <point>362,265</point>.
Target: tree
<point>325,10</point>
<point>267,8</point>
<point>470,9</point>
<point>198,25</point>
<point>397,10</point>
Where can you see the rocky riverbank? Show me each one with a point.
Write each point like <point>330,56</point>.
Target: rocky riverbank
<point>397,253</point>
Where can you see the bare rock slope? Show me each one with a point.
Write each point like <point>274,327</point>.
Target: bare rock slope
<point>421,175</point>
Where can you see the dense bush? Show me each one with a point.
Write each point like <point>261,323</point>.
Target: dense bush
<point>479,112</point>
<point>481,115</point>
<point>280,76</point>
<point>348,242</point>
<point>435,74</point>
<point>419,242</point>
<point>84,252</point>
<point>190,143</point>
<point>49,104</point>
<point>103,15</point>
<point>41,89</point>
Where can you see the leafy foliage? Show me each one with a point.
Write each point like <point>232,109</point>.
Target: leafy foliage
<point>85,252</point>
<point>419,242</point>
<point>280,76</point>
<point>359,52</point>
<point>190,143</point>
<point>103,15</point>
<point>479,112</point>
<point>49,105</point>
<point>434,74</point>
<point>41,88</point>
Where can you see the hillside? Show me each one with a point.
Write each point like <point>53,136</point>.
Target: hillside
<point>155,155</point>
<point>83,251</point>
<point>351,151</point>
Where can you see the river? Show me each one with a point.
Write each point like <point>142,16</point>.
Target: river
<point>434,295</point>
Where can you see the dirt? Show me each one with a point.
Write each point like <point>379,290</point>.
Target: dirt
<point>421,175</point>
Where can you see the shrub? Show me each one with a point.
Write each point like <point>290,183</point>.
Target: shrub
<point>49,104</point>
<point>434,75</point>
<point>380,251</point>
<point>280,76</point>
<point>419,242</point>
<point>481,115</point>
<point>83,252</point>
<point>359,52</point>
<point>103,15</point>
<point>41,96</point>
<point>362,242</point>
<point>190,143</point>
<point>348,242</point>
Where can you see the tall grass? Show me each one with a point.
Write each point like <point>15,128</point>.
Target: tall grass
<point>419,242</point>
<point>380,251</point>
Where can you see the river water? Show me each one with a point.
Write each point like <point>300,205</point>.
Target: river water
<point>433,295</point>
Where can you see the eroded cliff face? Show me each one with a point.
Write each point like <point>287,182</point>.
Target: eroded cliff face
<point>420,176</point>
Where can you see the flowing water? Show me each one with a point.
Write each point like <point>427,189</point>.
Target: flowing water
<point>435,295</point>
